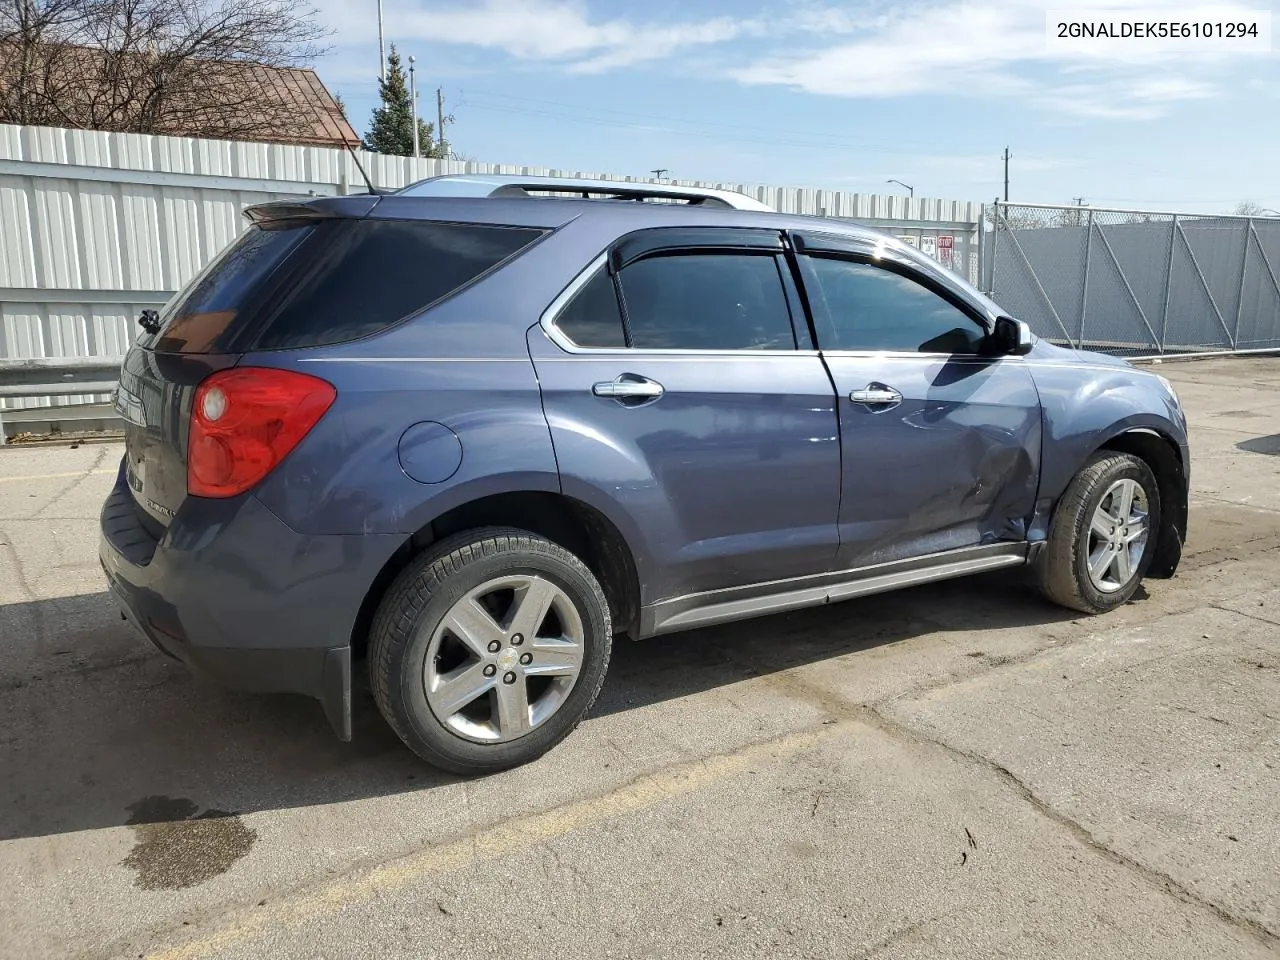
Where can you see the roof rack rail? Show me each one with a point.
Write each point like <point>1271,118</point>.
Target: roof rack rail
<point>498,185</point>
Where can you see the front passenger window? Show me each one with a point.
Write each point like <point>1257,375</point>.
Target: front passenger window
<point>872,308</point>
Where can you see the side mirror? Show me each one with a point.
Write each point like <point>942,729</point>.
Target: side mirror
<point>1011,338</point>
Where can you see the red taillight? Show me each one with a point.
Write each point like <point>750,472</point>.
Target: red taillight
<point>244,421</point>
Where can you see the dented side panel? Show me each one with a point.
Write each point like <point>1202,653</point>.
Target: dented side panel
<point>954,464</point>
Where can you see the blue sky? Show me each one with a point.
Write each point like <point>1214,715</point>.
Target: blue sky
<point>828,93</point>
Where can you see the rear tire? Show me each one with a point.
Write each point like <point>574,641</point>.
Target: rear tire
<point>1103,535</point>
<point>489,649</point>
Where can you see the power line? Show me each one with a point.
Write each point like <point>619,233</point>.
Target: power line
<point>603,117</point>
<point>812,144</point>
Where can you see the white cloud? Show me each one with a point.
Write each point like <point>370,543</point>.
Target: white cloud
<point>986,48</point>
<point>561,31</point>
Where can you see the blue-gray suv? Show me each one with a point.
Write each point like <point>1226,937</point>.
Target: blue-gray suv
<point>471,432</point>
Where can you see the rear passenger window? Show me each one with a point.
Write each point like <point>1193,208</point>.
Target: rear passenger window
<point>305,284</point>
<point>592,318</point>
<point>707,301</point>
<point>351,279</point>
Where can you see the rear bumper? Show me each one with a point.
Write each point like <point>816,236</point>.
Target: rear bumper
<point>237,595</point>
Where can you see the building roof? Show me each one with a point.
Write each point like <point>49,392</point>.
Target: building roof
<point>302,90</point>
<point>218,99</point>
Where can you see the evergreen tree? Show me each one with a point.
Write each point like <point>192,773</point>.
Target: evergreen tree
<point>391,129</point>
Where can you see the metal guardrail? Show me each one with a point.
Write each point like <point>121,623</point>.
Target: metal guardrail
<point>55,378</point>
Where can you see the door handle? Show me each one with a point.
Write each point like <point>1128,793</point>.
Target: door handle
<point>629,389</point>
<point>875,395</point>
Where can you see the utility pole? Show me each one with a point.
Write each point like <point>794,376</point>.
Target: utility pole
<point>660,172</point>
<point>382,54</point>
<point>1006,174</point>
<point>440,122</point>
<point>413,95</point>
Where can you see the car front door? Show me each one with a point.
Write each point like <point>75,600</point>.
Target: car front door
<point>681,400</point>
<point>941,441</point>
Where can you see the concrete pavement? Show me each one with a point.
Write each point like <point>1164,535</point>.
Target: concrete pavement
<point>959,770</point>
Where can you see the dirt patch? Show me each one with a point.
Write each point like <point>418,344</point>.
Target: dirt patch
<point>177,848</point>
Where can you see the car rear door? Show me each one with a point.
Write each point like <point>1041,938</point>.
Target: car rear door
<point>685,398</point>
<point>941,443</point>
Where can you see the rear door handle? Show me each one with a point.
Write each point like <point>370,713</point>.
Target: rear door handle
<point>875,395</point>
<point>629,389</point>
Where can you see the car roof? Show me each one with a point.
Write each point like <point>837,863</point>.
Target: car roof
<point>625,215</point>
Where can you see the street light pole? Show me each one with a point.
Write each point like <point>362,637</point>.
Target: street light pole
<point>382,53</point>
<point>911,191</point>
<point>413,95</point>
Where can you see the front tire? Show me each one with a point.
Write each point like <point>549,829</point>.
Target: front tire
<point>489,649</point>
<point>1103,535</point>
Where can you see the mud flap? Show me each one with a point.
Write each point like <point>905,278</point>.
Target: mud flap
<point>336,694</point>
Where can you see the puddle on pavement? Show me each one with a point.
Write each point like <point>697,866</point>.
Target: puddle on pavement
<point>176,847</point>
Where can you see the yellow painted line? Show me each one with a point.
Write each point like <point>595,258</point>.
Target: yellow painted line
<point>503,838</point>
<point>56,476</point>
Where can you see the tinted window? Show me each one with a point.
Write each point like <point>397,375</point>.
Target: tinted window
<point>707,302</point>
<point>872,308</point>
<point>592,318</point>
<point>330,281</point>
<point>350,279</point>
<point>208,307</point>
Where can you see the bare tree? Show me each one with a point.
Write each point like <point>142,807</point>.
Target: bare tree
<point>194,67</point>
<point>1248,208</point>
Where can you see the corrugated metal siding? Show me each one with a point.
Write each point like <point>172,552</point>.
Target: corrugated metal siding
<point>136,216</point>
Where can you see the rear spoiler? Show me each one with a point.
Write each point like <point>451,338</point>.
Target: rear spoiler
<point>321,208</point>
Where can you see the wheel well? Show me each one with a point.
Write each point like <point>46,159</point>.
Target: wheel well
<point>579,528</point>
<point>1165,460</point>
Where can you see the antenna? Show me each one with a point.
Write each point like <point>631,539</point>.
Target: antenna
<point>359,166</point>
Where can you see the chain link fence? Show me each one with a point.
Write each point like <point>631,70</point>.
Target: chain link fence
<point>1135,283</point>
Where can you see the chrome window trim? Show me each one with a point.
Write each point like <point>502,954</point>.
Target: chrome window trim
<point>547,321</point>
<point>557,336</point>
<point>909,355</point>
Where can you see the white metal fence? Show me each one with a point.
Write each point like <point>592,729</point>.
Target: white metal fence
<point>96,227</point>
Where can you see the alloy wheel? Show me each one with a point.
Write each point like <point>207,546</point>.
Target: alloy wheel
<point>1118,535</point>
<point>504,658</point>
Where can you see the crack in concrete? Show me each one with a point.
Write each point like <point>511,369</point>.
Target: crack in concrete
<point>1247,616</point>
<point>897,729</point>
<point>93,468</point>
<point>1236,503</point>
<point>24,584</point>
<point>836,706</point>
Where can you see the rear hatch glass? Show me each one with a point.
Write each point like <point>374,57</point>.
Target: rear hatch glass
<point>281,285</point>
<point>315,282</point>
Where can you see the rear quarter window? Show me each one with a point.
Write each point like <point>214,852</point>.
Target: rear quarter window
<point>330,281</point>
<point>207,312</point>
